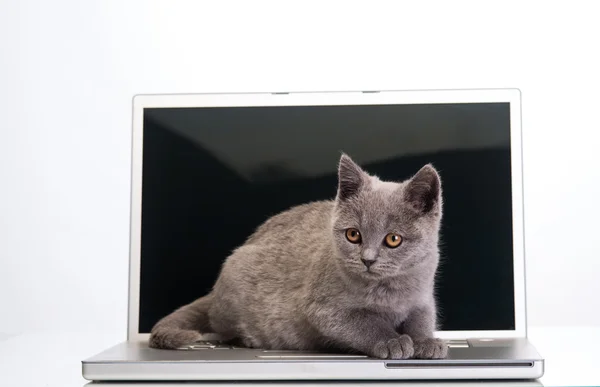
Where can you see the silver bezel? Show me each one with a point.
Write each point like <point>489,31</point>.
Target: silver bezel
<point>512,96</point>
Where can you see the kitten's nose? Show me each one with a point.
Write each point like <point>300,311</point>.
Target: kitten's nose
<point>367,262</point>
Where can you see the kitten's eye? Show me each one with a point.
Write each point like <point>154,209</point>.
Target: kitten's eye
<point>353,235</point>
<point>393,240</point>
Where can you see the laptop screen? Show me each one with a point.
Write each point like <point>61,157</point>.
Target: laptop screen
<point>212,175</point>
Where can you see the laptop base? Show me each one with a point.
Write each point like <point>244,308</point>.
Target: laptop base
<point>135,361</point>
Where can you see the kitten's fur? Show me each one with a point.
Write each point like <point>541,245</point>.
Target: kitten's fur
<point>298,283</point>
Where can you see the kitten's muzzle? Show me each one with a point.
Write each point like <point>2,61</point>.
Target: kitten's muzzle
<point>369,257</point>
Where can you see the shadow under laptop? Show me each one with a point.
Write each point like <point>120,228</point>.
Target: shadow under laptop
<point>466,383</point>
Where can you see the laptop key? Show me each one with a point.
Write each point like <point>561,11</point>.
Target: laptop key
<point>202,345</point>
<point>457,343</point>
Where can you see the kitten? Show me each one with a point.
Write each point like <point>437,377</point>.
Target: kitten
<point>354,274</point>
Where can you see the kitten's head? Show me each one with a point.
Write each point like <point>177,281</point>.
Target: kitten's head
<point>383,229</point>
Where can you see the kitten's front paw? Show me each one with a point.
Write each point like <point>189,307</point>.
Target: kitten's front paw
<point>398,348</point>
<point>251,342</point>
<point>430,348</point>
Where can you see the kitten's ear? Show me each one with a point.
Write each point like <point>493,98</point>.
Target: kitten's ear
<point>423,192</point>
<point>351,178</point>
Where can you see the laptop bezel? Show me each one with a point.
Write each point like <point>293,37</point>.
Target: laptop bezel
<point>511,96</point>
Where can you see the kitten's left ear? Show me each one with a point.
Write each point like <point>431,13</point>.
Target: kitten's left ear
<point>423,191</point>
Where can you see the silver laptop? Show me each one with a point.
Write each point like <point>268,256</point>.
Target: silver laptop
<point>208,169</point>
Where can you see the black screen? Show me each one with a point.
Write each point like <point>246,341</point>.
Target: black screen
<point>212,175</point>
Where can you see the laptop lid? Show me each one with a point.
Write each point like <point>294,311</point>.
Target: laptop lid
<point>208,169</point>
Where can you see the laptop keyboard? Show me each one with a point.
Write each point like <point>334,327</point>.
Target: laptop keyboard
<point>219,345</point>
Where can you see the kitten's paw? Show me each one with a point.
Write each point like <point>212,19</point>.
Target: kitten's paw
<point>251,342</point>
<point>398,348</point>
<point>430,348</point>
<point>172,338</point>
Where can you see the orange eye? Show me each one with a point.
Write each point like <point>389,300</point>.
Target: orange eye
<point>353,235</point>
<point>393,240</point>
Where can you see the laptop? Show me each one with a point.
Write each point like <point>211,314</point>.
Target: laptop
<point>208,169</point>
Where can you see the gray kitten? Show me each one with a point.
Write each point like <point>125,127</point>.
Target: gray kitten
<point>354,274</point>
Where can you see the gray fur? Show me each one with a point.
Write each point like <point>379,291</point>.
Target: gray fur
<point>298,283</point>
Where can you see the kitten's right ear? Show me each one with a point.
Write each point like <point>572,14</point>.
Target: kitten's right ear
<point>351,178</point>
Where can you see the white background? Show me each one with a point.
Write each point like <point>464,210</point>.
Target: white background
<point>68,71</point>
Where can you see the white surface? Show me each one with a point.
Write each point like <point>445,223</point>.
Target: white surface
<point>323,99</point>
<point>68,71</point>
<point>41,359</point>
